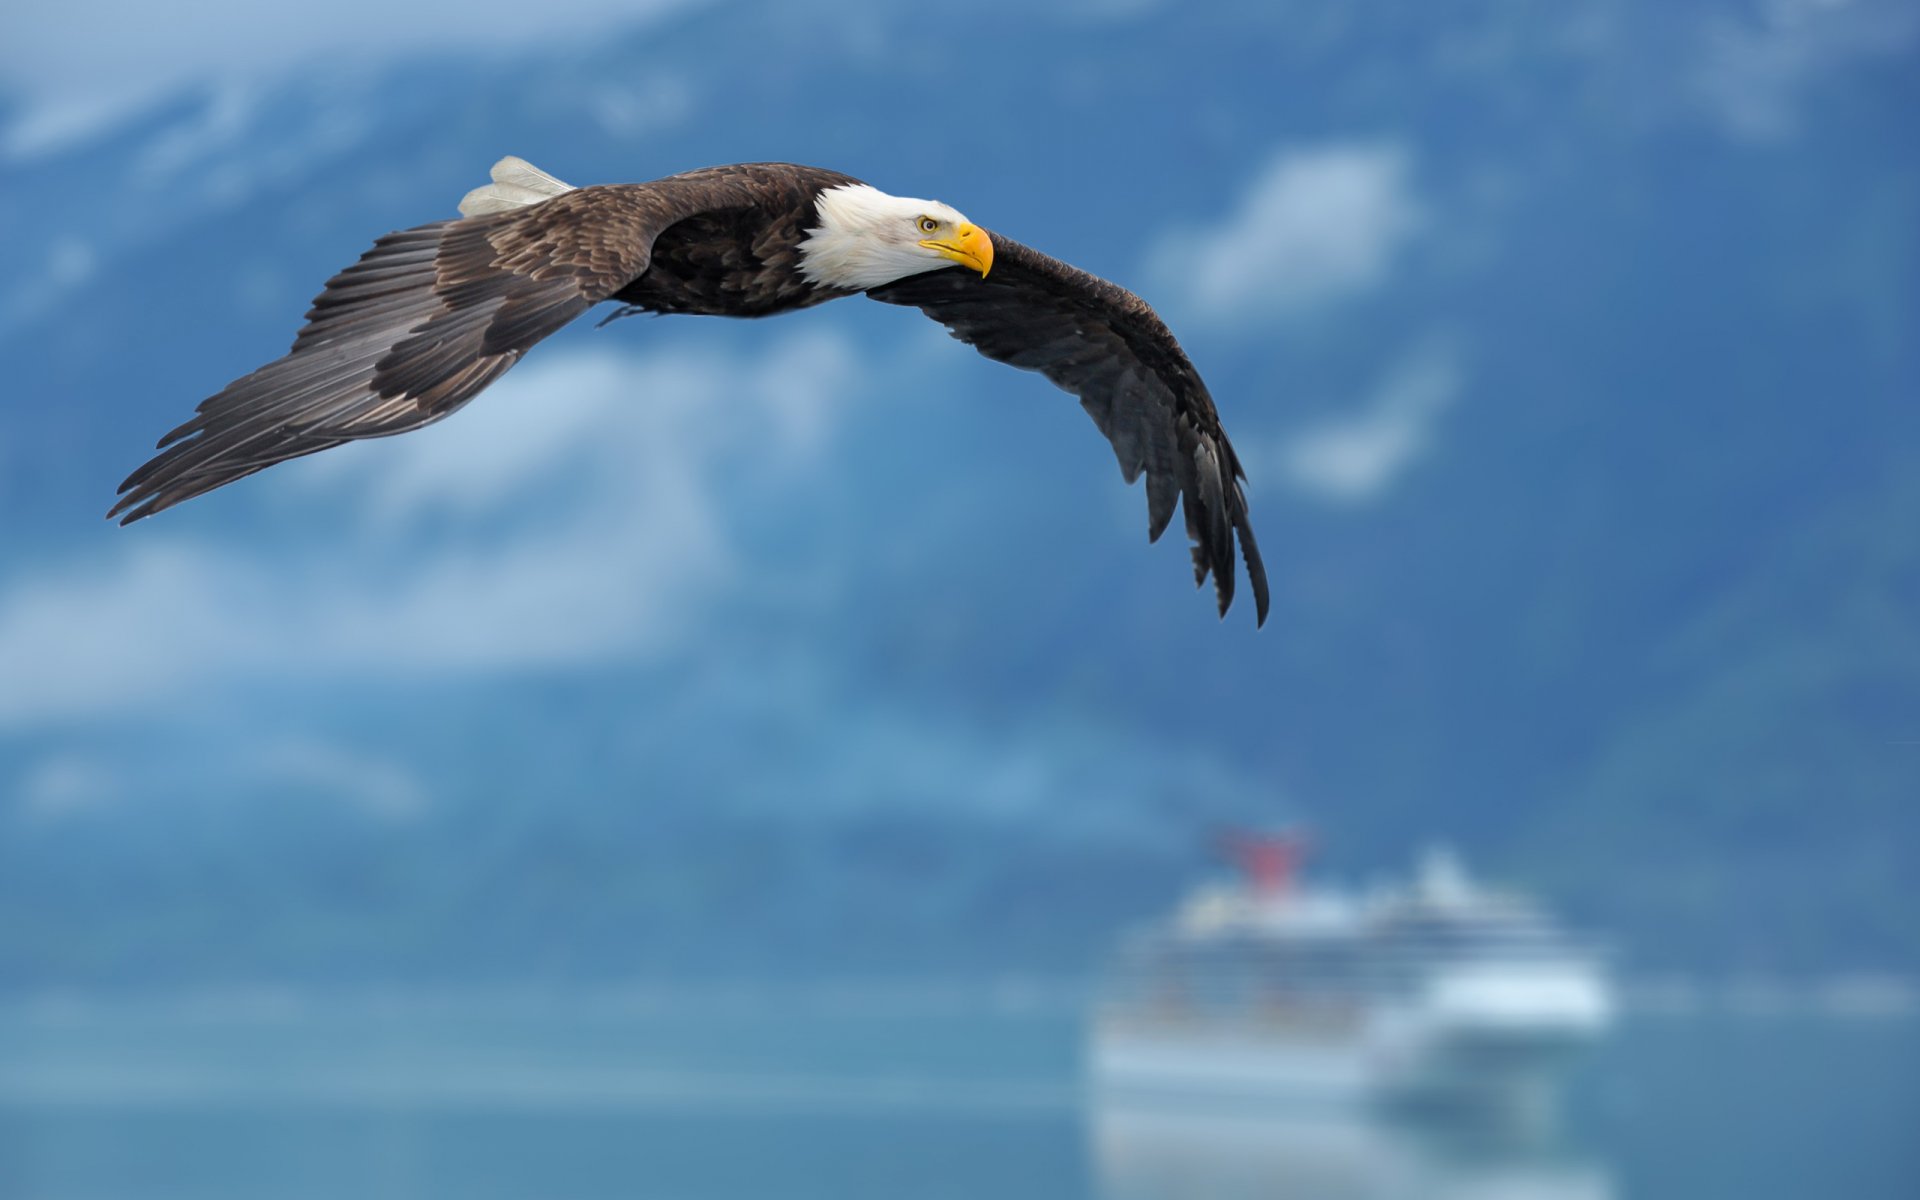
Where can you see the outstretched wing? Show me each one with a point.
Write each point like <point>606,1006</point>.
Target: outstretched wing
<point>1103,344</point>
<point>416,328</point>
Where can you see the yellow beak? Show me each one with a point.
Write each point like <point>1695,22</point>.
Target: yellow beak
<point>969,246</point>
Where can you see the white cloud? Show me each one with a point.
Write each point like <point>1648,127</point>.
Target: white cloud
<point>1071,769</point>
<point>1315,226</point>
<point>1756,66</point>
<point>602,412</point>
<point>82,64</point>
<point>117,635</point>
<point>50,120</point>
<point>218,124</point>
<point>66,784</point>
<point>576,513</point>
<point>628,110</point>
<point>72,783</point>
<point>1354,459</point>
<point>379,786</point>
<point>70,262</point>
<point>836,747</point>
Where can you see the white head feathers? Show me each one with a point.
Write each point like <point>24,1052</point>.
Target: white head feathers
<point>866,238</point>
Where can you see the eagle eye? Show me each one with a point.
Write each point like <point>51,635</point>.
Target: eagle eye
<point>928,225</point>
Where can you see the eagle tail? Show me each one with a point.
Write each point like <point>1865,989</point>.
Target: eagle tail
<point>516,184</point>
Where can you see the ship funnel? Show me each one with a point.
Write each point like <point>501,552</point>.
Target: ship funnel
<point>1270,861</point>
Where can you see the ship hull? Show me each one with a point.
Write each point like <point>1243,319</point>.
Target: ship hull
<point>1381,1067</point>
<point>1227,1065</point>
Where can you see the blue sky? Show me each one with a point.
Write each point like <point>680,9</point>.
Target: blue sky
<point>79,65</point>
<point>1516,321</point>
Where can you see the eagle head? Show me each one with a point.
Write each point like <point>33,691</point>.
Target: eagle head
<point>865,238</point>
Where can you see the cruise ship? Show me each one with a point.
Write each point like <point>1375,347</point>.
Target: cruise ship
<point>1437,995</point>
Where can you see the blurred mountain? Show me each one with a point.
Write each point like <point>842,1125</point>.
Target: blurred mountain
<point>1570,351</point>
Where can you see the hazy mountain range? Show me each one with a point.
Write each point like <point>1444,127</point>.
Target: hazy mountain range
<point>1570,349</point>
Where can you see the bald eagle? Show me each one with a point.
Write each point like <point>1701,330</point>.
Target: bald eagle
<point>432,315</point>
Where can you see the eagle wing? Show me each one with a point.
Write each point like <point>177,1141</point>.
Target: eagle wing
<point>1105,345</point>
<point>415,329</point>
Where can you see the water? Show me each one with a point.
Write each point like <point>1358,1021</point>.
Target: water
<point>864,1094</point>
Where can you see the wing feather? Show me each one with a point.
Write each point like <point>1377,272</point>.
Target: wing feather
<point>1105,345</point>
<point>422,323</point>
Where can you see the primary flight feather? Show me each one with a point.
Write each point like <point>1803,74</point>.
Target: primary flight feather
<point>431,315</point>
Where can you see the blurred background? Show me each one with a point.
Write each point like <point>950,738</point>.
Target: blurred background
<point>731,743</point>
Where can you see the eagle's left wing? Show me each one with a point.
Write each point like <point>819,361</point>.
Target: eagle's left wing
<point>1106,346</point>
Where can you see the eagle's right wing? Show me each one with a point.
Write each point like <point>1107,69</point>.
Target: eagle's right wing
<point>416,328</point>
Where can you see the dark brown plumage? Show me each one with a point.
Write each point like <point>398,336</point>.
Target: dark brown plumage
<point>432,315</point>
<point>1105,345</point>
